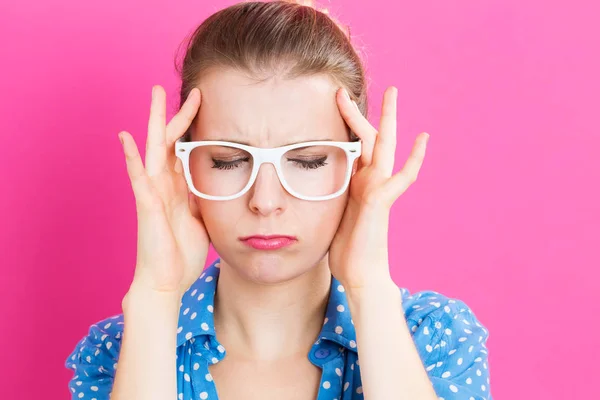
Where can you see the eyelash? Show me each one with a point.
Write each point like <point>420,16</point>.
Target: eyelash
<point>314,164</point>
<point>228,165</point>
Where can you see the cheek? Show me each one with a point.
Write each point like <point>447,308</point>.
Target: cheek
<point>218,217</point>
<point>325,216</point>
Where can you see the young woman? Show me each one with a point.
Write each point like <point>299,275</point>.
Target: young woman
<point>272,160</point>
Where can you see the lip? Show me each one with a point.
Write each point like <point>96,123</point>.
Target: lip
<point>268,242</point>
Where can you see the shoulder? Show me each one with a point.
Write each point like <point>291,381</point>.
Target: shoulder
<point>94,358</point>
<point>451,341</point>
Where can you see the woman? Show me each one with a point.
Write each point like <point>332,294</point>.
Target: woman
<point>271,160</point>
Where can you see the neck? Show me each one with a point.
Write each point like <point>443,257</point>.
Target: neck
<point>270,322</point>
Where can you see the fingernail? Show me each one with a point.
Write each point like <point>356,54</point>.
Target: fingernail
<point>190,94</point>
<point>346,94</point>
<point>121,138</point>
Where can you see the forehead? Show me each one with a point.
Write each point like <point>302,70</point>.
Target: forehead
<point>268,113</point>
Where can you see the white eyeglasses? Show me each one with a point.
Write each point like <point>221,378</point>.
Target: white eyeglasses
<point>314,171</point>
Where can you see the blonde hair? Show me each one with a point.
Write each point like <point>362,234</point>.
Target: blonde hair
<point>292,37</point>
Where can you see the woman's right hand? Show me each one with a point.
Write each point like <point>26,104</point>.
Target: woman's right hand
<point>172,241</point>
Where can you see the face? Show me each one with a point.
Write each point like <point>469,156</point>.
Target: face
<point>269,114</point>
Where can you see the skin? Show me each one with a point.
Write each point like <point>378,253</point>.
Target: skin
<point>266,299</point>
<point>269,305</point>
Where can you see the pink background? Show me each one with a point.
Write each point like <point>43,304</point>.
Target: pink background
<point>504,214</point>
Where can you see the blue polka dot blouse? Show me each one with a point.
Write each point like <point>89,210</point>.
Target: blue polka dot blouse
<point>448,337</point>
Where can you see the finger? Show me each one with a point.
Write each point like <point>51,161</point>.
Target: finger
<point>402,180</point>
<point>140,182</point>
<point>156,150</point>
<point>183,119</point>
<point>359,125</point>
<point>385,146</point>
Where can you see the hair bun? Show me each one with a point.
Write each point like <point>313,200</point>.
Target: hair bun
<point>313,4</point>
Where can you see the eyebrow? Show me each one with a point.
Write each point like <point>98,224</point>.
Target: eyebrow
<point>248,144</point>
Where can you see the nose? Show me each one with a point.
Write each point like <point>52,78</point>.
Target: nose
<point>267,195</point>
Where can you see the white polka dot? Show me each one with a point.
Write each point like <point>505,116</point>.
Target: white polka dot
<point>108,345</point>
<point>429,348</point>
<point>325,320</point>
<point>181,368</point>
<point>210,308</point>
<point>338,372</point>
<point>469,381</point>
<point>107,325</point>
<point>483,387</point>
<point>194,292</point>
<point>221,348</point>
<point>208,377</point>
<point>478,372</point>
<point>341,308</point>
<point>340,288</point>
<point>359,390</point>
<point>188,335</point>
<point>459,361</point>
<point>446,374</point>
<point>204,326</point>
<point>80,395</point>
<point>186,376</point>
<point>346,385</point>
<point>94,388</point>
<point>453,388</point>
<point>187,310</point>
<point>214,360</point>
<point>208,279</point>
<point>352,344</point>
<point>448,331</point>
<point>338,329</point>
<point>204,395</point>
<point>193,315</point>
<point>426,330</point>
<point>201,296</point>
<point>438,325</point>
<point>180,396</point>
<point>196,366</point>
<point>179,329</point>
<point>326,384</point>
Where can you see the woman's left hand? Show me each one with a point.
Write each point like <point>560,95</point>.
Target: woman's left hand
<point>358,256</point>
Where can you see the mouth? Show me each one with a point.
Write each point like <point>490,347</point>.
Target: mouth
<point>268,242</point>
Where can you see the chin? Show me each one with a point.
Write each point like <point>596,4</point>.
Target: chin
<point>270,267</point>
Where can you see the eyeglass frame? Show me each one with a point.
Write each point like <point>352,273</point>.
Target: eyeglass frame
<point>262,156</point>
